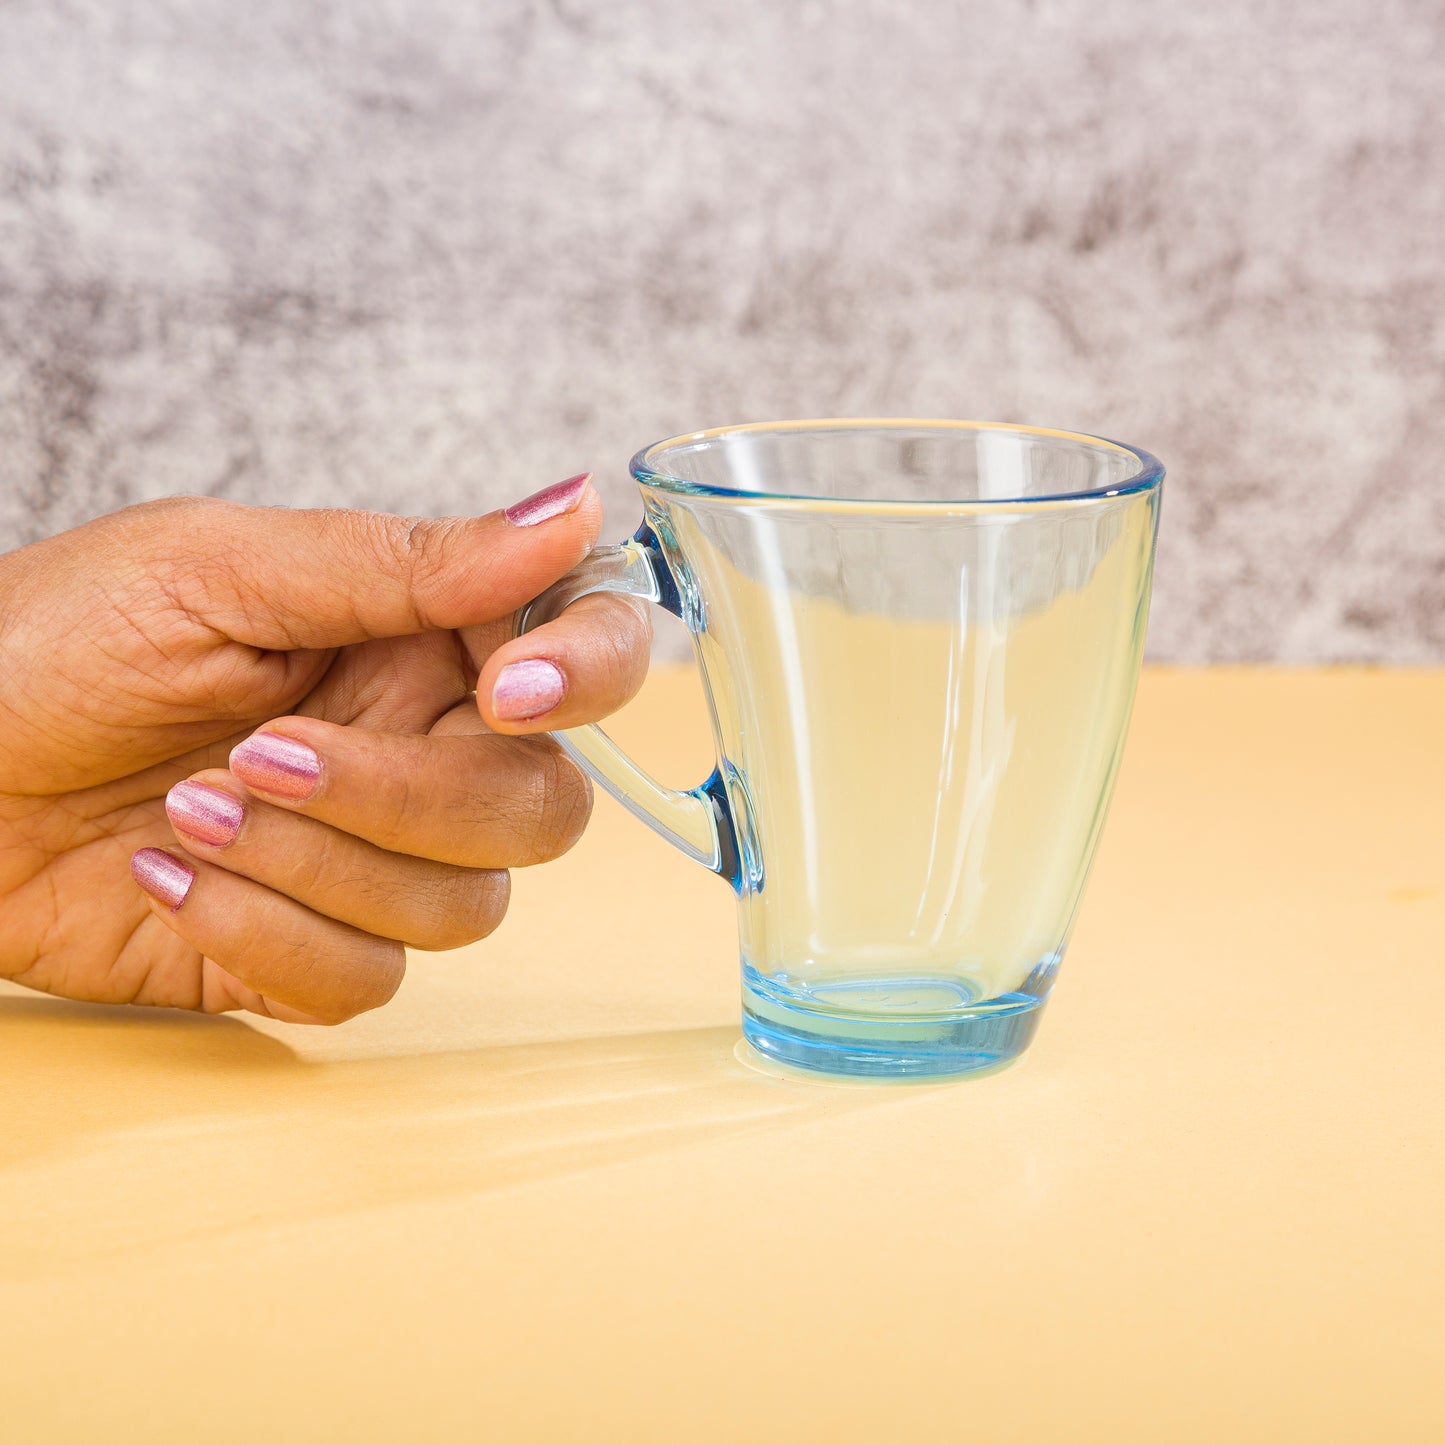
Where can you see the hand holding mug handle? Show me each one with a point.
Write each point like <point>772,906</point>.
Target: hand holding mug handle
<point>701,821</point>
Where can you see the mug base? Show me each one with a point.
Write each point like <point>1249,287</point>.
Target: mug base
<point>915,1045</point>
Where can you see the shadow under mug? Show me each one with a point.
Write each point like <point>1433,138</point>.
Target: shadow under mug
<point>919,643</point>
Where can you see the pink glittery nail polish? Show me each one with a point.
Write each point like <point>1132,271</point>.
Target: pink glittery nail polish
<point>527,689</point>
<point>550,502</point>
<point>274,764</point>
<point>205,813</point>
<point>162,876</point>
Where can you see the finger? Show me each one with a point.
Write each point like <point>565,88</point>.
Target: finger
<point>278,579</point>
<point>314,967</point>
<point>393,895</point>
<point>576,669</point>
<point>479,801</point>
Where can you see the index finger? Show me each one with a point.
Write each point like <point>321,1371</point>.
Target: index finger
<point>575,669</point>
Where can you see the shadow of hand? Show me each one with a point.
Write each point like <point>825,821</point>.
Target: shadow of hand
<point>125,1132</point>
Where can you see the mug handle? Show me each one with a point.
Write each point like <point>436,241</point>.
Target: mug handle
<point>700,821</point>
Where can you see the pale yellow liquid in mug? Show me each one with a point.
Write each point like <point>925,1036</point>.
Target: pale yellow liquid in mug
<point>925,790</point>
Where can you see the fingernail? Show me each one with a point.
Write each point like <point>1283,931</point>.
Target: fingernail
<point>271,763</point>
<point>550,502</point>
<point>527,689</point>
<point>205,813</point>
<point>162,876</point>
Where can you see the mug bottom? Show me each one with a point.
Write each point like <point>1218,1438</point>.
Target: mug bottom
<point>926,1041</point>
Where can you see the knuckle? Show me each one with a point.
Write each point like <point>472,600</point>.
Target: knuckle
<point>465,907</point>
<point>163,510</point>
<point>323,868</point>
<point>371,978</point>
<point>395,803</point>
<point>561,804</point>
<point>618,650</point>
<point>627,656</point>
<point>624,637</point>
<point>421,546</point>
<point>383,974</point>
<point>641,631</point>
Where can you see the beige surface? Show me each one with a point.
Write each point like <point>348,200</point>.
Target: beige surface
<point>538,1199</point>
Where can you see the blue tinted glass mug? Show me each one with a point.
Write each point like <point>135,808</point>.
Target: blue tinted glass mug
<point>919,643</point>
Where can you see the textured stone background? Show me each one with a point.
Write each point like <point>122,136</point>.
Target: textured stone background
<point>429,254</point>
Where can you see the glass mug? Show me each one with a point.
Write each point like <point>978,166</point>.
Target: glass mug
<point>919,643</point>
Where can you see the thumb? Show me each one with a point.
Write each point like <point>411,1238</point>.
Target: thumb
<point>279,579</point>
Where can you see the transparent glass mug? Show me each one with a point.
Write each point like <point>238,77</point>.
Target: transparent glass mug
<point>919,643</point>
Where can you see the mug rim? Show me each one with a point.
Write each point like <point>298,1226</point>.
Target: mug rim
<point>1149,476</point>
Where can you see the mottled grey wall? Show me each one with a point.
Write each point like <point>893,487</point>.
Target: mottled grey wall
<point>429,255</point>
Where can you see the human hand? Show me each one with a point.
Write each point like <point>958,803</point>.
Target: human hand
<point>380,805</point>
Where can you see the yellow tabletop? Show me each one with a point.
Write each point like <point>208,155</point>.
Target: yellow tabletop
<point>539,1198</point>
